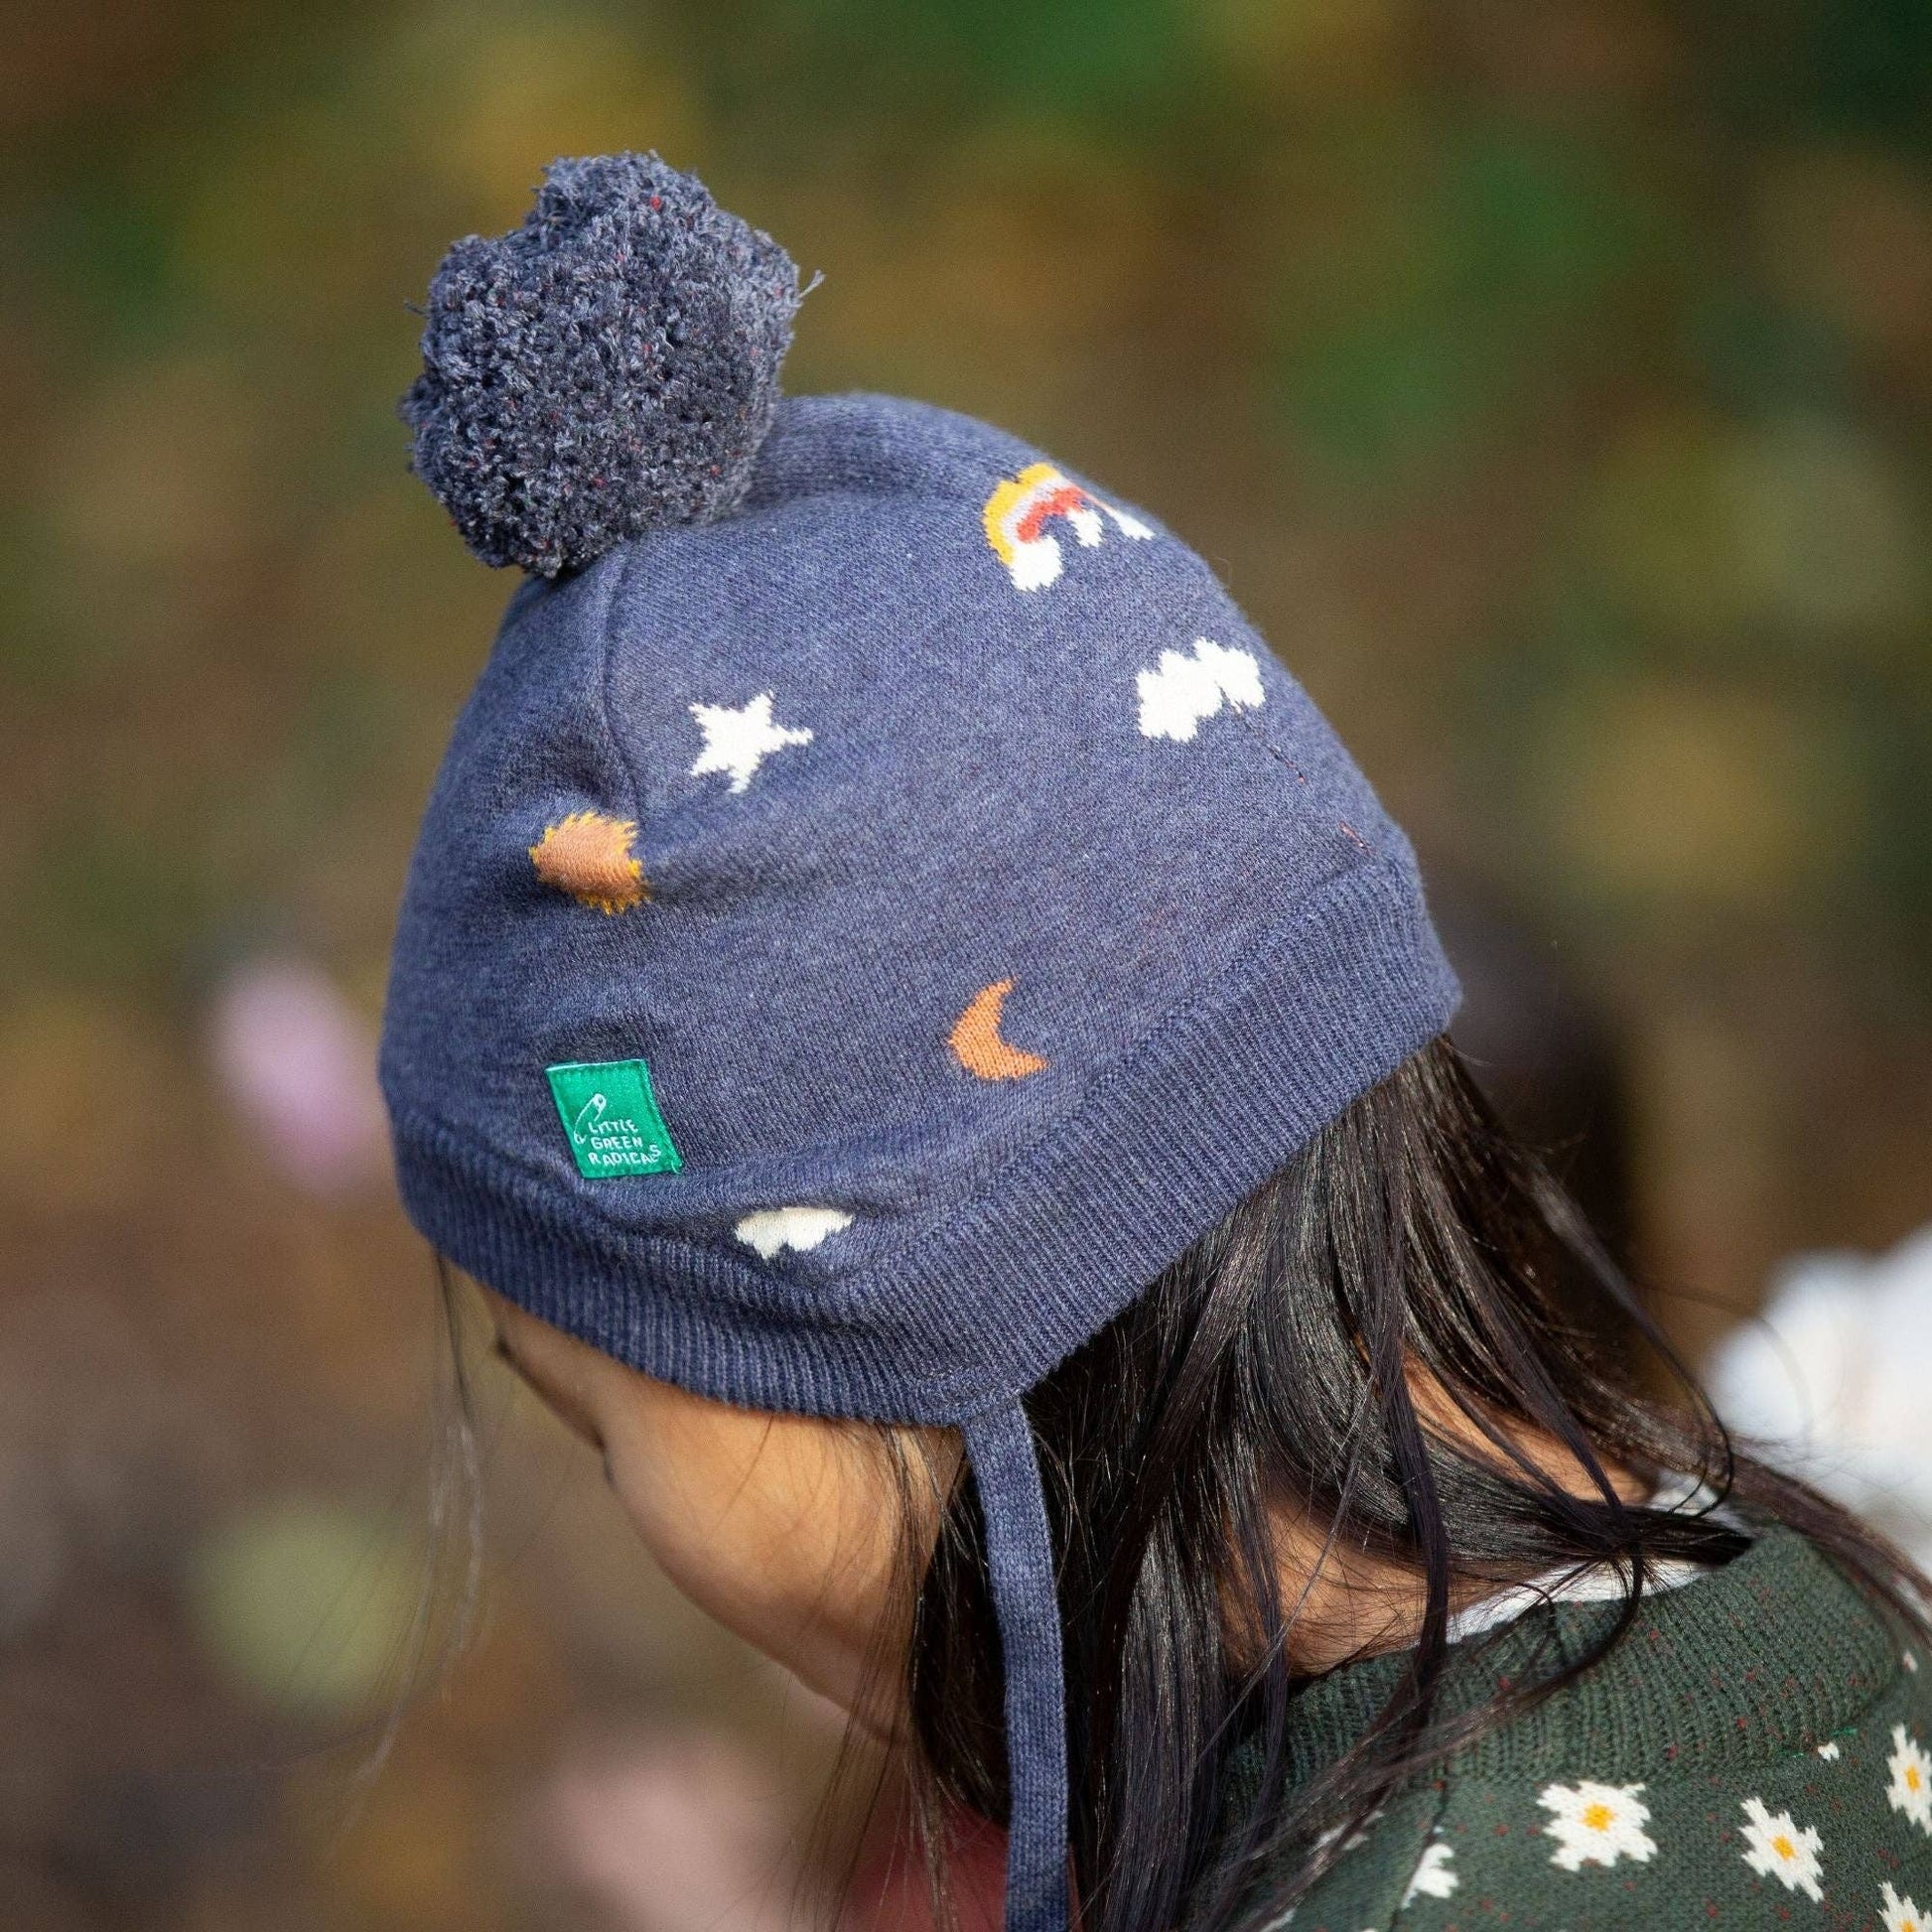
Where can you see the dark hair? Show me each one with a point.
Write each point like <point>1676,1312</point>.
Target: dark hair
<point>1413,1244</point>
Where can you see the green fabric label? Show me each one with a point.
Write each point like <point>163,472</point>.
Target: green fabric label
<point>610,1115</point>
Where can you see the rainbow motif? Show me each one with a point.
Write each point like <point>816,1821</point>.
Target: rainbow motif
<point>1020,508</point>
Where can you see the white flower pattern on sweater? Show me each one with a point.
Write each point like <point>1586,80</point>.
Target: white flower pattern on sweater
<point>1778,1847</point>
<point>1910,1789</point>
<point>1435,1874</point>
<point>1803,1798</point>
<point>1597,1823</point>
<point>1899,1914</point>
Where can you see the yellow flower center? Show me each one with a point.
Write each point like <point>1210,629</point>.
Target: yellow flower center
<point>1783,1846</point>
<point>1911,1777</point>
<point>1598,1817</point>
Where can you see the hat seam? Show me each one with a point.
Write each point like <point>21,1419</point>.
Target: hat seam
<point>607,656</point>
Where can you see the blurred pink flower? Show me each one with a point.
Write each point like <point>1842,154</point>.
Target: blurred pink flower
<point>676,1832</point>
<point>300,1067</point>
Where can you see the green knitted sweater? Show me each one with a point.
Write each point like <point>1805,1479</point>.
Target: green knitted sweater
<point>1752,1754</point>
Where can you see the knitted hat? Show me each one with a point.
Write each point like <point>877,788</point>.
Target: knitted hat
<point>881,902</point>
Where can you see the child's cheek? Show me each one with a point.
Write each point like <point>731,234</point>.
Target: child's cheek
<point>767,1524</point>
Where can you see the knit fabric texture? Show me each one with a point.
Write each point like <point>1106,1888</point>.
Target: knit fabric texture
<point>1753,1754</point>
<point>870,781</point>
<point>857,942</point>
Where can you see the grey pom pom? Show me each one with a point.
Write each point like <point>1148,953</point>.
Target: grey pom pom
<point>607,369</point>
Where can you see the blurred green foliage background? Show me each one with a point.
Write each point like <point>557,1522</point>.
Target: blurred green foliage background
<point>1552,379</point>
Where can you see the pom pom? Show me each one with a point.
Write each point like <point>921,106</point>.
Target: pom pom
<point>607,369</point>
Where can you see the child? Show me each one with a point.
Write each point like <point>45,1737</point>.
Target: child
<point>937,1054</point>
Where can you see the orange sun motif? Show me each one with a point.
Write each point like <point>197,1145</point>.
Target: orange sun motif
<point>588,855</point>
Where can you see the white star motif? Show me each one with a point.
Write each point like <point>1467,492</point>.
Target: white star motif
<point>738,740</point>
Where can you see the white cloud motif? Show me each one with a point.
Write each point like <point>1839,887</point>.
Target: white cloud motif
<point>1779,1848</point>
<point>1910,1789</point>
<point>1435,1874</point>
<point>1597,1823</point>
<point>740,741</point>
<point>1900,1914</point>
<point>771,1229</point>
<point>1181,689</point>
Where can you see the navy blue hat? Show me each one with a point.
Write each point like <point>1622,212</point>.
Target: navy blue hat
<point>881,902</point>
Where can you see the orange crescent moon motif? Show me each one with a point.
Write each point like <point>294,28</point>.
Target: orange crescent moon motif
<point>976,1042</point>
